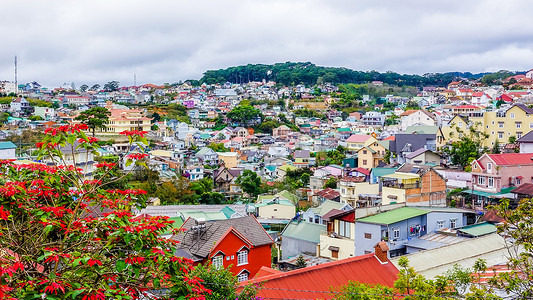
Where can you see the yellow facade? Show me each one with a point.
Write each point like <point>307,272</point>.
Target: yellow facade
<point>370,156</point>
<point>498,126</point>
<point>229,158</point>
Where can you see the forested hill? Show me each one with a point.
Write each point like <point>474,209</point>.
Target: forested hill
<point>291,73</point>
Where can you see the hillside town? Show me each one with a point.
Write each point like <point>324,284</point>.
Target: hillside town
<point>295,187</point>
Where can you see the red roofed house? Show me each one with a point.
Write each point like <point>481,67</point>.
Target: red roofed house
<point>505,97</point>
<point>480,98</point>
<point>494,174</point>
<point>464,109</point>
<point>241,243</point>
<point>315,282</point>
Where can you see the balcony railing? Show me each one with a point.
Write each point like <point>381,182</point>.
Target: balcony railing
<point>404,186</point>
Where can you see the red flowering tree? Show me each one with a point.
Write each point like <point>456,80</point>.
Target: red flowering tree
<point>64,236</point>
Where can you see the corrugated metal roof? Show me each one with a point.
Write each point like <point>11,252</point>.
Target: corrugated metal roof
<point>512,158</point>
<point>304,231</point>
<point>524,188</point>
<point>394,216</point>
<point>315,282</point>
<point>478,229</point>
<point>431,263</point>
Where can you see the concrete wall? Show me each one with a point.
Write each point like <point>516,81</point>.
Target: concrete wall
<point>433,217</point>
<point>291,247</point>
<point>363,244</point>
<point>346,247</point>
<point>277,211</point>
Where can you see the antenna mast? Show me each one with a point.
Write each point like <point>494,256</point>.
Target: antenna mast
<point>134,79</point>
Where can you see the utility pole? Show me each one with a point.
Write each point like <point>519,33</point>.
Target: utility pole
<point>134,79</point>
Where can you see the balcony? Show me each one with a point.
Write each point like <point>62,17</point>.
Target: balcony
<point>399,185</point>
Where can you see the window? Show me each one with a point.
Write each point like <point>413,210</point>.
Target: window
<point>491,181</point>
<point>500,124</point>
<point>243,276</point>
<point>460,124</point>
<point>344,228</point>
<point>489,166</point>
<point>440,224</point>
<point>242,257</point>
<point>396,233</point>
<point>530,125</point>
<point>481,180</point>
<point>218,261</point>
<point>518,124</point>
<point>518,135</point>
<point>364,151</point>
<point>500,135</point>
<point>453,223</point>
<point>364,161</point>
<point>368,235</point>
<point>518,181</point>
<point>511,115</point>
<point>367,252</point>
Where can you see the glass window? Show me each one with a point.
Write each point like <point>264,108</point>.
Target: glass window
<point>481,180</point>
<point>489,166</point>
<point>242,277</point>
<point>500,135</point>
<point>396,233</point>
<point>453,223</point>
<point>491,181</point>
<point>242,257</point>
<point>512,115</point>
<point>440,224</point>
<point>218,261</point>
<point>518,124</point>
<point>500,124</point>
<point>368,235</point>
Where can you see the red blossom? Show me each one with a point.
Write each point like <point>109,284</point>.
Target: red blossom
<point>136,156</point>
<point>91,262</point>
<point>134,132</point>
<point>4,214</point>
<point>105,164</point>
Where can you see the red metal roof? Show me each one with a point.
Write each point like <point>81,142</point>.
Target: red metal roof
<point>512,158</point>
<point>315,282</point>
<point>363,170</point>
<point>524,188</point>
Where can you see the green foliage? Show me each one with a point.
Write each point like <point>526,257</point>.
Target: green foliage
<point>495,78</point>
<point>245,115</point>
<point>332,157</point>
<point>293,73</point>
<point>84,88</point>
<point>300,262</point>
<point>95,87</point>
<point>36,118</point>
<point>331,183</point>
<point>496,147</point>
<point>362,291</point>
<point>250,183</point>
<point>96,117</point>
<point>218,147</point>
<point>468,148</point>
<point>39,103</point>
<point>412,105</point>
<point>111,86</point>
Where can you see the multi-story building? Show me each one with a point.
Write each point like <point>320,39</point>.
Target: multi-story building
<point>125,119</point>
<point>497,125</point>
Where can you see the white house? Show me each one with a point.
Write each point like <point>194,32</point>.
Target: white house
<point>416,117</point>
<point>7,150</point>
<point>47,113</point>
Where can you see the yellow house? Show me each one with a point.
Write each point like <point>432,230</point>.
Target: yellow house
<point>499,126</point>
<point>230,159</point>
<point>351,192</point>
<point>370,156</point>
<point>125,119</point>
<point>358,141</point>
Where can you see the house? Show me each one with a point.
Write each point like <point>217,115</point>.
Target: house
<point>494,175</point>
<point>75,155</point>
<point>416,117</point>
<point>8,150</point>
<point>46,113</point>
<point>401,228</point>
<point>223,177</point>
<point>373,118</point>
<point>358,141</point>
<point>403,144</point>
<point>301,158</point>
<point>208,156</point>
<point>194,172</point>
<point>418,185</point>
<point>300,237</point>
<point>358,193</point>
<point>314,214</point>
<point>327,194</point>
<point>240,244</point>
<point>229,159</point>
<point>370,156</point>
<point>20,106</point>
<point>526,142</point>
<point>316,282</point>
<point>337,242</point>
<point>278,206</point>
<point>282,171</point>
<point>282,130</point>
<point>423,156</point>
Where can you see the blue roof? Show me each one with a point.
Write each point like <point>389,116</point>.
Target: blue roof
<point>7,145</point>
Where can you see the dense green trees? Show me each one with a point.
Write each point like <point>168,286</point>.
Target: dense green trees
<point>95,117</point>
<point>250,183</point>
<point>293,73</point>
<point>245,115</point>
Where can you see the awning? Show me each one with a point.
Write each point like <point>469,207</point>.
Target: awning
<point>333,248</point>
<point>392,196</point>
<point>402,176</point>
<point>480,193</point>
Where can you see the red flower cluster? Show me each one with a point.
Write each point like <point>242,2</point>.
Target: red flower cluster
<point>136,156</point>
<point>90,140</point>
<point>104,164</point>
<point>134,132</point>
<point>72,128</point>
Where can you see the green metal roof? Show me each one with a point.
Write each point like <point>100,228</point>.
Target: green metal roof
<point>379,172</point>
<point>394,216</point>
<point>326,207</point>
<point>178,221</point>
<point>304,231</point>
<point>478,229</point>
<point>227,211</point>
<point>344,130</point>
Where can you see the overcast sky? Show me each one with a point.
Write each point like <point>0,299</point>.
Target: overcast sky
<point>97,41</point>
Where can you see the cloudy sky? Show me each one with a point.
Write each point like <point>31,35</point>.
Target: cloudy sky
<point>97,41</point>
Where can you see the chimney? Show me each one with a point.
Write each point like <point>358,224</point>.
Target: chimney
<point>381,251</point>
